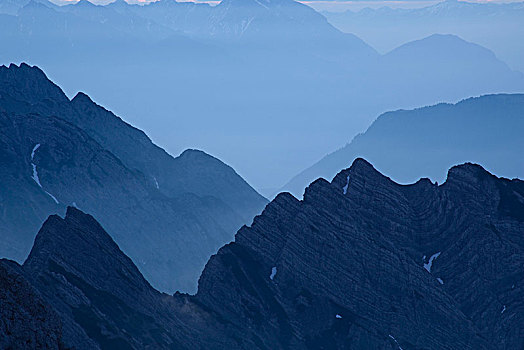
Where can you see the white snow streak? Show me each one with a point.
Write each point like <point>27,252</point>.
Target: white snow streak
<point>273,272</point>
<point>396,342</point>
<point>345,188</point>
<point>503,309</point>
<point>35,176</point>
<point>338,316</point>
<point>430,262</point>
<point>156,183</point>
<point>440,281</point>
<point>53,197</point>
<point>34,150</point>
<point>35,173</point>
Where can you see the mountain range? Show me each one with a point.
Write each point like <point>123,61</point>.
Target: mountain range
<point>259,74</point>
<point>360,262</point>
<point>425,142</point>
<point>110,242</point>
<point>168,214</point>
<point>496,26</point>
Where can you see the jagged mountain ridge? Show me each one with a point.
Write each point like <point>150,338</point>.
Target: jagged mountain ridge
<point>59,152</point>
<point>343,233</point>
<point>361,262</point>
<point>288,67</point>
<point>427,141</point>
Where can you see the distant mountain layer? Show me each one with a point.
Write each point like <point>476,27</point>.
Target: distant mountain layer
<point>246,80</point>
<point>493,25</point>
<point>361,262</point>
<point>168,214</point>
<point>424,142</point>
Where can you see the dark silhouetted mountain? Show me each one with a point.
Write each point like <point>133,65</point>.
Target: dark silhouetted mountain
<point>424,142</point>
<point>361,262</point>
<point>101,296</point>
<point>169,214</point>
<point>26,320</point>
<point>221,78</point>
<point>192,172</point>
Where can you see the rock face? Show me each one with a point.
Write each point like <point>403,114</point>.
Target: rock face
<point>363,262</point>
<point>360,263</point>
<point>426,142</point>
<point>103,299</point>
<point>26,320</point>
<point>168,214</point>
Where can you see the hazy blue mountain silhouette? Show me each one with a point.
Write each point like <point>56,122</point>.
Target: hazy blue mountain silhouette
<point>425,142</point>
<point>496,26</point>
<point>169,214</point>
<point>11,7</point>
<point>247,81</point>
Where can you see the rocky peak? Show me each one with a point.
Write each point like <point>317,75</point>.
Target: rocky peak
<point>312,266</point>
<point>359,171</point>
<point>30,85</point>
<point>59,152</point>
<point>468,173</point>
<point>355,270</point>
<point>83,98</point>
<point>473,185</point>
<point>79,245</point>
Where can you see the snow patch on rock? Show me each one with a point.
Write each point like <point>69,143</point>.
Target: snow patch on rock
<point>429,264</point>
<point>273,272</point>
<point>345,188</point>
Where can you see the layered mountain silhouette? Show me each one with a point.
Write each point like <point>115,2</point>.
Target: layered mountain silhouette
<point>230,77</point>
<point>493,25</point>
<point>425,142</point>
<point>360,262</point>
<point>168,214</point>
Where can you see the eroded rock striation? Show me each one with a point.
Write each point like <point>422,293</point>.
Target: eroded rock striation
<point>27,321</point>
<point>360,263</point>
<point>168,214</point>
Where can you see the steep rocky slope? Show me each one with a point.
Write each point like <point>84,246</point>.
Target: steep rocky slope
<point>26,319</point>
<point>103,299</point>
<point>388,258</point>
<point>360,263</point>
<point>169,214</point>
<point>345,267</point>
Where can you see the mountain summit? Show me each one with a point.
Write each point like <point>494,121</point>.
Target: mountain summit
<point>361,262</point>
<point>425,142</point>
<point>168,214</point>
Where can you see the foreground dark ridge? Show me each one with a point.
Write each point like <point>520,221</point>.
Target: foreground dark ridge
<point>360,263</point>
